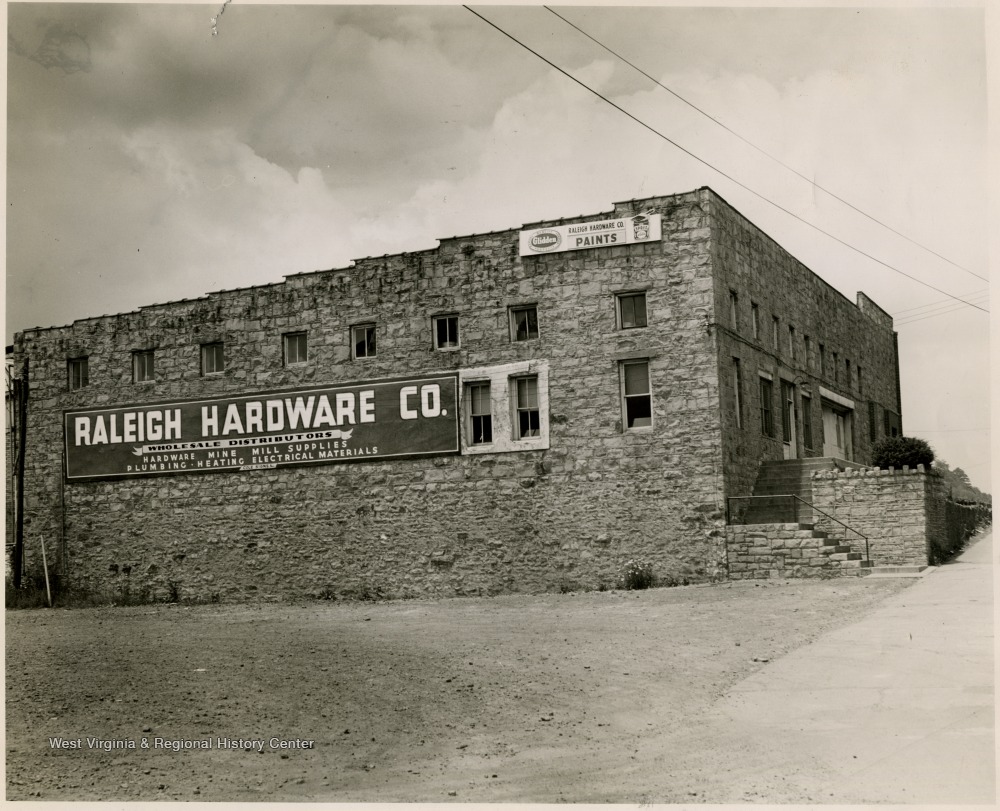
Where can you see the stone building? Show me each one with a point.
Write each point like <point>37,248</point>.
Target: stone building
<point>512,411</point>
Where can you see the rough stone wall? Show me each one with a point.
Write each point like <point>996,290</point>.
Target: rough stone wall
<point>569,515</point>
<point>751,264</point>
<point>762,551</point>
<point>900,511</point>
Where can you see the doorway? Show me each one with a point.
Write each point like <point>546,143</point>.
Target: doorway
<point>789,436</point>
<point>838,426</point>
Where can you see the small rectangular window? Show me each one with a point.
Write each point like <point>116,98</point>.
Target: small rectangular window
<point>632,310</point>
<point>787,411</point>
<point>637,396</point>
<point>755,320</point>
<point>142,366</point>
<point>808,351</point>
<point>734,310</point>
<point>738,389</point>
<point>363,341</point>
<point>528,415</point>
<point>446,332</point>
<point>822,360</point>
<point>212,358</point>
<point>847,372</point>
<point>766,407</point>
<point>791,343</point>
<point>775,331</point>
<point>480,414</point>
<point>524,322</point>
<point>836,369</point>
<point>861,387</point>
<point>79,373</point>
<point>295,348</point>
<point>807,422</point>
<point>872,422</point>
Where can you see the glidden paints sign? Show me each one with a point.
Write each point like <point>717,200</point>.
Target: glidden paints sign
<point>603,234</point>
<point>268,430</point>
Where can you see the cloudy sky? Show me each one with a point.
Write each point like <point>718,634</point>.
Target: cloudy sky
<point>151,158</point>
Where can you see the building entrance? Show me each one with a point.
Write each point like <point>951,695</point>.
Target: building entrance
<point>789,436</point>
<point>837,431</point>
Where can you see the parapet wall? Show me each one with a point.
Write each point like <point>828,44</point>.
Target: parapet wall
<point>901,512</point>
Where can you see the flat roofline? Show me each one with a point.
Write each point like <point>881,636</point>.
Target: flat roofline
<point>760,230</point>
<point>426,251</point>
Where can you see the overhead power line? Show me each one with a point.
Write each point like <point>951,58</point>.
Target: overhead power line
<point>761,150</point>
<point>704,162</point>
<point>980,296</point>
<point>950,308</point>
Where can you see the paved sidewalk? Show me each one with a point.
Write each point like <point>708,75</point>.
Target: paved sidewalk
<point>896,708</point>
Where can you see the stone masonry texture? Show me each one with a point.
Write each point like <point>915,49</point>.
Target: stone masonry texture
<point>900,511</point>
<point>568,515</point>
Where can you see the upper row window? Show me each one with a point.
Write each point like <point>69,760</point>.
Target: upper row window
<point>142,366</point>
<point>524,323</point>
<point>363,340</point>
<point>296,348</point>
<point>446,332</point>
<point>295,345</point>
<point>631,310</point>
<point>79,373</point>
<point>213,358</point>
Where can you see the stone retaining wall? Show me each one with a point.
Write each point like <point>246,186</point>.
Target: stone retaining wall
<point>762,551</point>
<point>900,511</point>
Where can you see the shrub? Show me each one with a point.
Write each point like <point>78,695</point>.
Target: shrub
<point>897,451</point>
<point>636,575</point>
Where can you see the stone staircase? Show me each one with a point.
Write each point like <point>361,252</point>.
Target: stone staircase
<point>761,551</point>
<point>775,536</point>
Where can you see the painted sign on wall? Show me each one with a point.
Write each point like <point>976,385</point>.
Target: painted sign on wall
<point>585,235</point>
<point>381,419</point>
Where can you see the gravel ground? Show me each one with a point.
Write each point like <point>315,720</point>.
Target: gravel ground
<point>590,697</point>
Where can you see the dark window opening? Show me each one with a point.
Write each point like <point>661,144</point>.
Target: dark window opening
<point>363,338</point>
<point>637,395</point>
<point>632,310</point>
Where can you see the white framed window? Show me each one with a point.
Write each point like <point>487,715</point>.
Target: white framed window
<point>363,343</point>
<point>631,310</point>
<point>78,372</point>
<point>142,366</point>
<point>524,322</point>
<point>213,358</point>
<point>480,413</point>
<point>527,415</point>
<point>505,407</point>
<point>637,395</point>
<point>446,332</point>
<point>295,348</point>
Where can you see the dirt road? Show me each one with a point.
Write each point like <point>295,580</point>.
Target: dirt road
<point>574,697</point>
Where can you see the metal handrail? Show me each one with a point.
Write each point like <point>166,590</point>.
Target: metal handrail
<point>808,504</point>
<point>852,529</point>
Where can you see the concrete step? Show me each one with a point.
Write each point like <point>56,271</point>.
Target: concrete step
<point>901,571</point>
